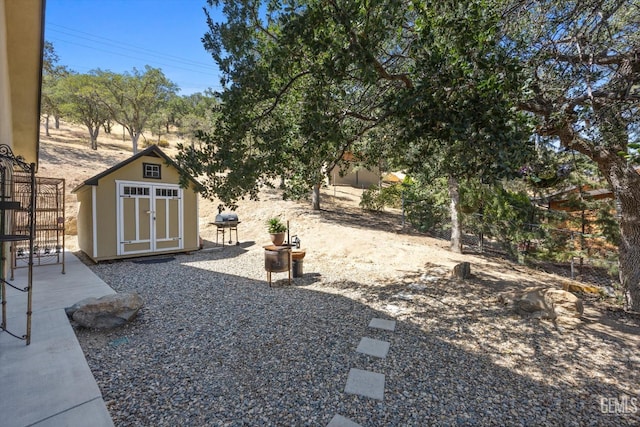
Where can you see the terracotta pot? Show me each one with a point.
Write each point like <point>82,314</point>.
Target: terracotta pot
<point>277,238</point>
<point>298,254</point>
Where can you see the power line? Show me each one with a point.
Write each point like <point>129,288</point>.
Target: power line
<point>94,48</point>
<point>125,46</point>
<point>96,43</point>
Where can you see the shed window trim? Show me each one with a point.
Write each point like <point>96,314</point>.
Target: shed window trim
<point>151,170</point>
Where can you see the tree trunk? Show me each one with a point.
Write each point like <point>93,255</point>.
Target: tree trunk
<point>625,184</point>
<point>456,233</point>
<point>57,121</point>
<point>134,141</point>
<point>46,125</point>
<point>315,197</point>
<point>93,133</point>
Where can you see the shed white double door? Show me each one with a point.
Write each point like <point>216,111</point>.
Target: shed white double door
<point>149,217</point>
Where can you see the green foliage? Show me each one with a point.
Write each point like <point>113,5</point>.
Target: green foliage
<point>607,223</point>
<point>81,101</point>
<point>133,98</point>
<point>426,85</point>
<point>500,214</point>
<point>583,91</point>
<point>198,112</point>
<point>52,73</point>
<point>426,203</point>
<point>162,143</point>
<point>377,198</point>
<point>275,225</point>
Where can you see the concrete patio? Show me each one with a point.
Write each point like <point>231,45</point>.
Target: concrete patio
<point>48,383</point>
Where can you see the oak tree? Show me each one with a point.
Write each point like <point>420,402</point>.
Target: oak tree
<point>583,64</point>
<point>133,98</point>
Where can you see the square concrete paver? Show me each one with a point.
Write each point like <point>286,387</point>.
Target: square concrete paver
<point>340,421</point>
<point>365,383</point>
<point>373,347</point>
<point>387,325</point>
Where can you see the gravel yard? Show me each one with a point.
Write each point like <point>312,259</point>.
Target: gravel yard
<point>214,345</point>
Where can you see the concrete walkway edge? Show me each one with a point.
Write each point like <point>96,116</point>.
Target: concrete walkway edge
<point>49,383</point>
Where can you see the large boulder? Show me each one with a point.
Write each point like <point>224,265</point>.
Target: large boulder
<point>109,311</point>
<point>548,303</point>
<point>565,304</point>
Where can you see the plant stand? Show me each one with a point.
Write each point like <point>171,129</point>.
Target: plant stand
<point>277,259</point>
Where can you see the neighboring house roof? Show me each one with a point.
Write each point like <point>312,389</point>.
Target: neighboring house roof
<point>562,196</point>
<point>586,191</point>
<point>394,177</point>
<point>153,151</point>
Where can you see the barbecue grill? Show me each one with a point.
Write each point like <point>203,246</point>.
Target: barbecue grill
<point>224,221</point>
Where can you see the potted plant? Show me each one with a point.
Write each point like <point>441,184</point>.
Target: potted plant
<point>276,229</point>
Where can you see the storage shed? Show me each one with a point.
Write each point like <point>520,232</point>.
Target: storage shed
<point>137,208</point>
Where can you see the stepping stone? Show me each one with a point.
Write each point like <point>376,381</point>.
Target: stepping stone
<point>387,325</point>
<point>340,421</point>
<point>373,347</point>
<point>365,383</point>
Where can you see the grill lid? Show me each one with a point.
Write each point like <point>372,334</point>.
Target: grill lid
<point>227,217</point>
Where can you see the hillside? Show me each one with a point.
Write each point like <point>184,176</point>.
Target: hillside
<point>366,245</point>
<point>357,264</point>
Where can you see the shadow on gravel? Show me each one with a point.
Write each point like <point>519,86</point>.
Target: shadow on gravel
<point>210,348</point>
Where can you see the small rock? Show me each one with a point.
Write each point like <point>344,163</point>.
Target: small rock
<point>461,271</point>
<point>417,286</point>
<point>428,278</point>
<point>403,296</point>
<point>394,309</point>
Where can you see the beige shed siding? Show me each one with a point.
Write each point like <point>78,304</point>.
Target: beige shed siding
<point>191,232</point>
<point>85,221</point>
<point>107,212</point>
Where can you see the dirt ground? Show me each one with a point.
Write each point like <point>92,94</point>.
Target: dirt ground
<point>357,244</point>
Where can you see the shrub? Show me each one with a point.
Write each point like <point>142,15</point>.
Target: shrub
<point>160,143</point>
<point>376,199</point>
<point>371,200</point>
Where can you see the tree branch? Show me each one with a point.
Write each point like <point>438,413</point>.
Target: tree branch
<point>279,95</point>
<point>355,43</point>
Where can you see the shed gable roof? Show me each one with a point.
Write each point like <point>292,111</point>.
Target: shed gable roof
<point>152,151</point>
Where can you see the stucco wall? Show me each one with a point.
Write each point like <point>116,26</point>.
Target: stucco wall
<point>355,177</point>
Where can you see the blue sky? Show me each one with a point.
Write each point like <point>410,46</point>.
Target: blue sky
<point>118,35</point>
